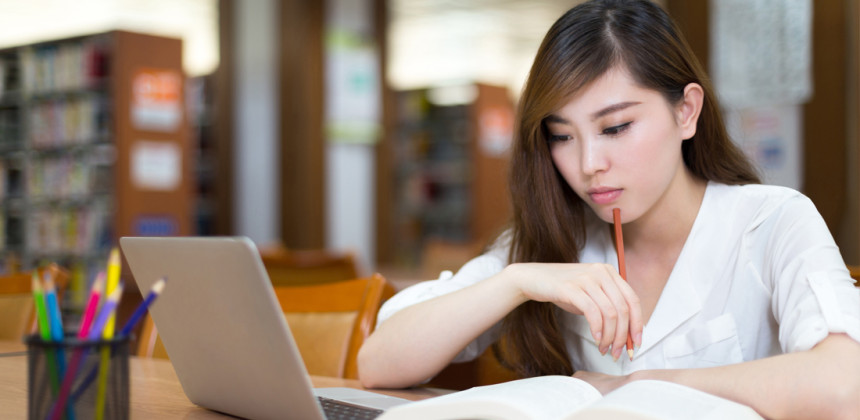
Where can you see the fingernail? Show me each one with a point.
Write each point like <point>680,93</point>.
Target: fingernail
<point>616,354</point>
<point>637,339</point>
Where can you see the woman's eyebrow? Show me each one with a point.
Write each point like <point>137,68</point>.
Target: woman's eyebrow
<point>553,118</point>
<point>612,108</point>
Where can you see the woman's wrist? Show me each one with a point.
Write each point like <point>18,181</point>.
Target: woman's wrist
<point>654,374</point>
<point>510,278</point>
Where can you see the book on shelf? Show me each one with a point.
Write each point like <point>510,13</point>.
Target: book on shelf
<point>568,398</point>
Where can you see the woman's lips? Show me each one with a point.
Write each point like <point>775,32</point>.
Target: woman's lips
<point>604,196</point>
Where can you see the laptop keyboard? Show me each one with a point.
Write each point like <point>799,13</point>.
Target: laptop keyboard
<point>339,410</point>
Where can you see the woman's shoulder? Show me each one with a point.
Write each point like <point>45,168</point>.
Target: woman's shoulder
<point>500,248</point>
<point>760,195</point>
<point>753,192</point>
<point>754,203</point>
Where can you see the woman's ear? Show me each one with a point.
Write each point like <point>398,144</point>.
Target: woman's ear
<point>689,109</point>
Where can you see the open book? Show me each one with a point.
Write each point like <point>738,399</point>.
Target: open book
<point>568,398</point>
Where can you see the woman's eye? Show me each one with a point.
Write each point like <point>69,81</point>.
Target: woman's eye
<point>617,129</point>
<point>558,137</point>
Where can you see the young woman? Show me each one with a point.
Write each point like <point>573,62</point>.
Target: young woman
<point>732,287</point>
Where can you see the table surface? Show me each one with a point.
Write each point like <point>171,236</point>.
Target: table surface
<point>155,389</point>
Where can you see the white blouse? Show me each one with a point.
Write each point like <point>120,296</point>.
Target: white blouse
<point>758,275</point>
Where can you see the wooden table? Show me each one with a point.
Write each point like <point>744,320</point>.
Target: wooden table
<point>155,389</point>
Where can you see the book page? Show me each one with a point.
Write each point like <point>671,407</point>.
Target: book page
<point>539,398</point>
<point>660,400</point>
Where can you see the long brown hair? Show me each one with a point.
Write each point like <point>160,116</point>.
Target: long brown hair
<point>548,217</point>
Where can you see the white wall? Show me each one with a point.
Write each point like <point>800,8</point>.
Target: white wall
<point>350,159</point>
<point>257,198</point>
<point>350,182</point>
<point>350,198</point>
<point>193,21</point>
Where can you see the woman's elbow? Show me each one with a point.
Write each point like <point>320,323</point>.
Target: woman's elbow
<point>846,399</point>
<point>843,396</point>
<point>376,369</point>
<point>368,373</point>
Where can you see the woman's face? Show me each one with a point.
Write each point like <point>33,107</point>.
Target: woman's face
<point>618,144</point>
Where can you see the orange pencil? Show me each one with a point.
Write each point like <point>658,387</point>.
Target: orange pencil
<point>619,249</point>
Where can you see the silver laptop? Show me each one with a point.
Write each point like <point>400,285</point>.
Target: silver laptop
<point>225,333</point>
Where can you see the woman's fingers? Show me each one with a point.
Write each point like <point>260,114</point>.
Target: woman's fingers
<point>583,303</point>
<point>608,315</point>
<point>597,292</point>
<point>620,313</point>
<point>615,287</point>
<point>608,304</point>
<point>635,310</point>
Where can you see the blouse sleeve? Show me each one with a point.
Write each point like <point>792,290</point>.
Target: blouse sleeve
<point>472,272</point>
<point>813,293</point>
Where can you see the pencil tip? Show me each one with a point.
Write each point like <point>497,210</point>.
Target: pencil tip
<point>99,283</point>
<point>159,285</point>
<point>117,293</point>
<point>630,353</point>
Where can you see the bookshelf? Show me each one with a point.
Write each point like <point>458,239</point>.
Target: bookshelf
<point>93,146</point>
<point>450,172</point>
<point>200,100</point>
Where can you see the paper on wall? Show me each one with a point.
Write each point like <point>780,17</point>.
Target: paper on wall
<point>156,165</point>
<point>761,51</point>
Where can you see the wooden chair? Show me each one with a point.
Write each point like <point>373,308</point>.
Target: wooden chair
<point>149,343</point>
<point>855,274</point>
<point>284,267</point>
<point>17,314</point>
<point>330,321</point>
<point>291,267</point>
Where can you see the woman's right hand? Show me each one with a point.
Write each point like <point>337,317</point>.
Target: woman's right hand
<point>595,291</point>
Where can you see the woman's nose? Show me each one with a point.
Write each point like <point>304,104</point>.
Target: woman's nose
<point>593,156</point>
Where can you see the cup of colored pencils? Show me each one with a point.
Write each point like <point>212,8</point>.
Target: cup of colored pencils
<point>81,374</point>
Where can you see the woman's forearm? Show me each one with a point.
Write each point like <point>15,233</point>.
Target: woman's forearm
<point>419,341</point>
<point>823,382</point>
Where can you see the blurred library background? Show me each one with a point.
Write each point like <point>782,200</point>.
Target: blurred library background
<point>379,128</point>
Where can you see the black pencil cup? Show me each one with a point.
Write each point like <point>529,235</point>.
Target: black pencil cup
<point>77,379</point>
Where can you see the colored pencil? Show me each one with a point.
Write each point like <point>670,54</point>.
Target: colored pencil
<point>153,294</point>
<point>113,272</point>
<point>108,309</point>
<point>92,305</point>
<point>622,269</point>
<point>45,332</point>
<point>55,319</point>
<point>41,310</point>
<point>129,325</point>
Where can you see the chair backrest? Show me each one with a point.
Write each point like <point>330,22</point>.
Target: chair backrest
<point>149,343</point>
<point>290,267</point>
<point>285,267</point>
<point>855,274</point>
<point>17,314</point>
<point>330,321</point>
